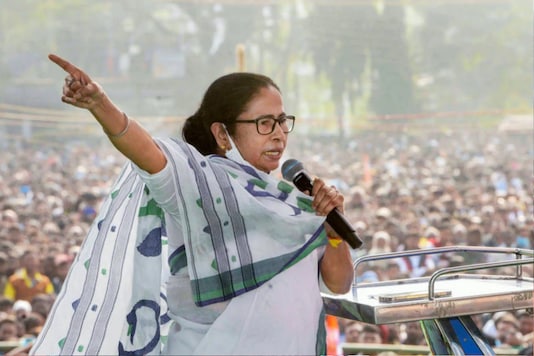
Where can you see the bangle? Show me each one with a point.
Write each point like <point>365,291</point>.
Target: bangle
<point>334,241</point>
<point>123,132</point>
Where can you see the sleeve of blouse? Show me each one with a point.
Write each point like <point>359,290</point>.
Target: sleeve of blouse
<point>162,188</point>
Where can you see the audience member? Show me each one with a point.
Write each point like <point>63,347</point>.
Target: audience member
<point>42,303</point>
<point>27,282</point>
<point>413,334</point>
<point>352,330</point>
<point>416,265</point>
<point>9,329</point>
<point>21,309</point>
<point>6,305</point>
<point>62,263</point>
<point>370,334</point>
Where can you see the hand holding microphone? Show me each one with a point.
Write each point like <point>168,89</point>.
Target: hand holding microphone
<point>293,170</point>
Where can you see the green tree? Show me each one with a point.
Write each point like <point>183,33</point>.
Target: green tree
<point>338,40</point>
<point>392,77</point>
<point>477,55</point>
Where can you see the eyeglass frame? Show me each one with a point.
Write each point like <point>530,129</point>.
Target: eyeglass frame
<point>276,120</point>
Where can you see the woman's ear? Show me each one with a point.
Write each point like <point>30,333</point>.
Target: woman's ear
<point>219,133</point>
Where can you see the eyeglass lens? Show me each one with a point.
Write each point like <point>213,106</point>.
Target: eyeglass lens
<point>267,124</point>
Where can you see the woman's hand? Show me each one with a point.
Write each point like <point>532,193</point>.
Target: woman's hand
<point>326,198</point>
<point>79,89</point>
<point>126,135</point>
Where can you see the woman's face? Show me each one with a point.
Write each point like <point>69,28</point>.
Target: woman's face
<point>262,151</point>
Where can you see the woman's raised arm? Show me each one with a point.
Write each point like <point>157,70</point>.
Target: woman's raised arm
<point>125,134</point>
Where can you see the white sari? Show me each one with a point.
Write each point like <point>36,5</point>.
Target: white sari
<point>245,243</point>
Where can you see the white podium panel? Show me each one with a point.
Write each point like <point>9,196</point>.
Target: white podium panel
<point>449,292</point>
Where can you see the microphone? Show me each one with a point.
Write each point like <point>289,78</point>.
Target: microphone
<point>293,170</point>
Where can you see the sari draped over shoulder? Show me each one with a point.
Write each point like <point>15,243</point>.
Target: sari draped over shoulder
<point>239,228</point>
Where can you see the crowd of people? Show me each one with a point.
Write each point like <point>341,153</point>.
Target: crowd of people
<point>403,191</point>
<point>453,188</point>
<point>48,199</point>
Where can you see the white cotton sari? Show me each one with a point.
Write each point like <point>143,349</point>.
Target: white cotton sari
<point>208,256</point>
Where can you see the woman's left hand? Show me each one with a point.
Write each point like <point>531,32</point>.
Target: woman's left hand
<point>326,198</point>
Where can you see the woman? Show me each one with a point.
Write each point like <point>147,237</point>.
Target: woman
<point>247,253</point>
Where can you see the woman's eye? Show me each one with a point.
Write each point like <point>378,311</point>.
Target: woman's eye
<point>266,122</point>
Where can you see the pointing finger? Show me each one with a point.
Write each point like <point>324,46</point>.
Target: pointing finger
<point>66,65</point>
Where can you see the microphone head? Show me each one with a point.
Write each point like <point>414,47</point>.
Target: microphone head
<point>290,168</point>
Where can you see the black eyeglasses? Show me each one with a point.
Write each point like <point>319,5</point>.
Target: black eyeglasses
<point>265,124</point>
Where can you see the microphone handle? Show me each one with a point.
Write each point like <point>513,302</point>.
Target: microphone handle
<point>336,220</point>
<point>303,182</point>
<point>340,225</point>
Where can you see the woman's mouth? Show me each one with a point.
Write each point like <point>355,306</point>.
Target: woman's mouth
<point>273,154</point>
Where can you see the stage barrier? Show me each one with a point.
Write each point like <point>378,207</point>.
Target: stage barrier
<point>444,301</point>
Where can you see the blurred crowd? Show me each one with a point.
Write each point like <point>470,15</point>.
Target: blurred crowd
<point>402,192</point>
<point>48,199</point>
<point>410,192</point>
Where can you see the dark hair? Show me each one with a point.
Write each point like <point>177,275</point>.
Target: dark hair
<point>225,99</point>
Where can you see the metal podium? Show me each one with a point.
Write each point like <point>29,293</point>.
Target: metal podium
<point>444,301</point>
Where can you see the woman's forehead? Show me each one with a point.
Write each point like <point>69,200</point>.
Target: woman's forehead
<point>268,101</point>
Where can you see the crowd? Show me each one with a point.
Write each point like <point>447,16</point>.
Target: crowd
<point>407,192</point>
<point>402,192</point>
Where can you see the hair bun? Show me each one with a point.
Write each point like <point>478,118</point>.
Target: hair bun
<point>194,133</point>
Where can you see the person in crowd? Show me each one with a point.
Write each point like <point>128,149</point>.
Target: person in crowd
<point>10,218</point>
<point>9,329</point>
<point>42,303</point>
<point>498,326</point>
<point>474,238</point>
<point>21,309</point>
<point>507,328</point>
<point>431,238</point>
<point>370,334</point>
<point>33,324</point>
<point>416,265</point>
<point>353,328</point>
<point>526,324</point>
<point>381,243</point>
<point>391,333</point>
<point>4,269</point>
<point>28,281</point>
<point>459,234</point>
<point>247,251</point>
<point>62,263</point>
<point>523,236</point>
<point>413,334</point>
<point>392,271</point>
<point>6,304</point>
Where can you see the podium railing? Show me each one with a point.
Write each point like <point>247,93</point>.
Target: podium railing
<point>443,301</point>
